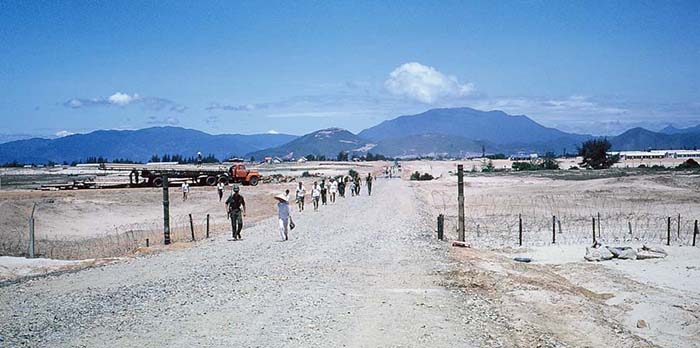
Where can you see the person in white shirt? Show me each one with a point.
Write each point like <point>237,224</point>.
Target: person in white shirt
<point>353,190</point>
<point>316,195</point>
<point>334,189</point>
<point>284,216</point>
<point>185,190</point>
<point>220,188</point>
<point>300,195</point>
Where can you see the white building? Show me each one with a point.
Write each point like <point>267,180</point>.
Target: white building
<point>657,154</point>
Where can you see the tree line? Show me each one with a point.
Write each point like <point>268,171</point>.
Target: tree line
<point>210,158</point>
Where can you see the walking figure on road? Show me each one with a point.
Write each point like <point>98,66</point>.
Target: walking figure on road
<point>300,196</point>
<point>352,188</point>
<point>324,192</point>
<point>220,189</point>
<point>358,185</point>
<point>185,190</point>
<point>341,187</point>
<point>316,195</point>
<point>334,189</point>
<point>284,216</point>
<point>235,209</point>
<point>369,184</point>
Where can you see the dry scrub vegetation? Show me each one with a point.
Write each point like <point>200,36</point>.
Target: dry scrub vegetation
<point>641,204</point>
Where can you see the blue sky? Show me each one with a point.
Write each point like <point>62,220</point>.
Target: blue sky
<point>252,67</point>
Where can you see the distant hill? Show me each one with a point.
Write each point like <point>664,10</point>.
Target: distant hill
<point>643,139</point>
<point>492,126</point>
<point>453,132</point>
<point>137,145</point>
<point>327,142</point>
<point>458,131</point>
<point>673,130</point>
<point>431,145</point>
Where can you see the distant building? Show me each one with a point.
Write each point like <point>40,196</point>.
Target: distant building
<point>656,154</point>
<point>523,157</point>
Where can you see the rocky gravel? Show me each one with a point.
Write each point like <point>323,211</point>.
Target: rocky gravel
<point>365,272</point>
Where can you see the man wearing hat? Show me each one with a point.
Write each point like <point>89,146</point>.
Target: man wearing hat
<point>284,215</point>
<point>235,208</point>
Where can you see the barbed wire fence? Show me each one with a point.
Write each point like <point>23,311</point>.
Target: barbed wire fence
<point>124,240</point>
<point>494,220</point>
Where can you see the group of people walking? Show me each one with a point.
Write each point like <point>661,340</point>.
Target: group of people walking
<point>324,192</point>
<point>321,194</point>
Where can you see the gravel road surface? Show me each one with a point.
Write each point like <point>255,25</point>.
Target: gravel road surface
<point>365,272</point>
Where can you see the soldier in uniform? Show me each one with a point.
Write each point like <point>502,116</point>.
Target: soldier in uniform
<point>235,207</point>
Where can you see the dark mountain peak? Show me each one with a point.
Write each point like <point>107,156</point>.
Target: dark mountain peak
<point>494,126</point>
<point>326,142</point>
<point>638,131</point>
<point>670,129</point>
<point>137,145</point>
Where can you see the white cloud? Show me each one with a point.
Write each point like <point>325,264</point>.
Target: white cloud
<point>121,99</point>
<point>63,133</point>
<point>425,83</point>
<point>321,114</point>
<point>272,131</point>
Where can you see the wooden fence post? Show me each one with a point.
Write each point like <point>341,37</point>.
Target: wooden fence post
<point>554,229</point>
<point>32,241</point>
<point>207,225</point>
<point>668,235</point>
<point>460,200</point>
<point>166,212</point>
<point>594,241</point>
<point>192,228</point>
<point>695,231</point>
<point>679,226</point>
<point>520,229</point>
<point>440,226</point>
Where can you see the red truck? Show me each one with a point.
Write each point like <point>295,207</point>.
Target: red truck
<point>204,175</point>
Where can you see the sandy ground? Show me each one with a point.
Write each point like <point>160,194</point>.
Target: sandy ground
<point>559,293</point>
<point>81,214</point>
<point>14,268</point>
<point>665,293</point>
<point>368,272</point>
<point>351,275</point>
<point>493,202</point>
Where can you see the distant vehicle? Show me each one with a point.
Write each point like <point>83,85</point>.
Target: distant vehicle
<point>204,175</point>
<point>239,173</point>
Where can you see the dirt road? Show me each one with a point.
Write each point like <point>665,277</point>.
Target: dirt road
<point>365,272</point>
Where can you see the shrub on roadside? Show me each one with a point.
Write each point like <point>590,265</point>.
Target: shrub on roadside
<point>417,176</point>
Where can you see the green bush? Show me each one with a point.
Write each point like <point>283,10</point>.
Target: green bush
<point>524,166</point>
<point>421,177</point>
<point>689,164</point>
<point>487,166</point>
<point>426,177</point>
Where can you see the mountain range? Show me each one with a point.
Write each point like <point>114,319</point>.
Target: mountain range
<point>451,132</point>
<point>136,145</point>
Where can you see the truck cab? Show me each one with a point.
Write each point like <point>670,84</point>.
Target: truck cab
<point>239,173</point>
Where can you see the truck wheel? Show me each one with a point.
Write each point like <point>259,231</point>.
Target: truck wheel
<point>210,181</point>
<point>224,180</point>
<point>158,182</point>
<point>253,181</point>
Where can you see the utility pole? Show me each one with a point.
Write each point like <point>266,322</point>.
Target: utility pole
<point>460,199</point>
<point>166,211</point>
<point>31,234</point>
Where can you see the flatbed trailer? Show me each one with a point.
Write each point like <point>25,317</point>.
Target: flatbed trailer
<point>205,174</point>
